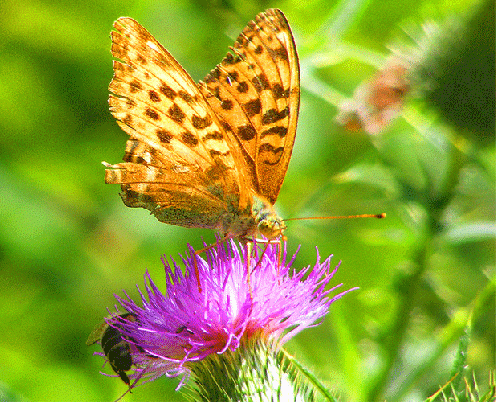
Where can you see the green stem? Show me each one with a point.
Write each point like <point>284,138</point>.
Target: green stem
<point>407,290</point>
<point>393,343</point>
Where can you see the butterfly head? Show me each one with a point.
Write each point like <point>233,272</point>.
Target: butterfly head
<point>271,227</point>
<point>269,224</point>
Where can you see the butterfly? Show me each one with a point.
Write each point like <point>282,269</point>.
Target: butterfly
<point>213,154</point>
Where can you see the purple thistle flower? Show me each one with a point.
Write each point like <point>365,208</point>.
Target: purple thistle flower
<point>170,332</point>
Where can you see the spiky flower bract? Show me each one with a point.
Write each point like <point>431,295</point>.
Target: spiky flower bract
<point>229,309</point>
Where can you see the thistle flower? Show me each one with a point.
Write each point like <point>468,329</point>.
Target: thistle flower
<point>177,333</point>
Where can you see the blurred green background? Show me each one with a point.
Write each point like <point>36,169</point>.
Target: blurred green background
<point>68,243</point>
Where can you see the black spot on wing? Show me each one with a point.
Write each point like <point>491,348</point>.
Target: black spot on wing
<point>247,132</point>
<point>272,115</point>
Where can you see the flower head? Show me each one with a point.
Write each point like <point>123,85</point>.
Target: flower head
<point>271,304</point>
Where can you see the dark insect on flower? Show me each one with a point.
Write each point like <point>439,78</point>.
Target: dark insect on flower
<point>115,346</point>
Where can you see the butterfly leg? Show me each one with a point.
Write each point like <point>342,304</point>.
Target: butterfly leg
<point>279,254</point>
<point>249,250</point>
<point>279,243</point>
<point>197,252</point>
<point>261,256</point>
<point>197,272</point>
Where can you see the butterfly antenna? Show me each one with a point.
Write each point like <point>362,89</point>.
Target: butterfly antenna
<point>378,216</point>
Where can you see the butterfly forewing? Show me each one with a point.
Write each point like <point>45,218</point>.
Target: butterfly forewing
<point>155,97</point>
<point>255,91</point>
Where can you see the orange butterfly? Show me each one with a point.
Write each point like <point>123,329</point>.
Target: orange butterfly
<point>213,154</point>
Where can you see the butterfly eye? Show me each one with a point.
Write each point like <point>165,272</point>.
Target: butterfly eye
<point>271,227</point>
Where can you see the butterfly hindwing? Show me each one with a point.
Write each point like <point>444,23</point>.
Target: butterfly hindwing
<point>176,149</point>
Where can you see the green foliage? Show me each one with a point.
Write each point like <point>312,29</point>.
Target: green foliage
<point>67,243</point>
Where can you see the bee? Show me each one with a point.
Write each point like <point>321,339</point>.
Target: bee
<point>115,346</point>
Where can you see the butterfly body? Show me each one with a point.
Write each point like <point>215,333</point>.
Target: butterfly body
<point>213,154</point>
<point>258,219</point>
